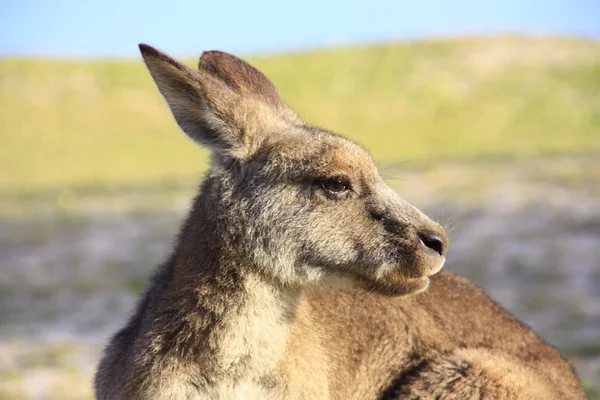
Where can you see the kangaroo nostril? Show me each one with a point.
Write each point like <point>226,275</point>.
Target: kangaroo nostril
<point>433,242</point>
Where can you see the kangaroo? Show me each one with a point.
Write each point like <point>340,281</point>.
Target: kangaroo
<point>299,274</point>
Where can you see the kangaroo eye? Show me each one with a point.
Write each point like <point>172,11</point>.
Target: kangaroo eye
<point>334,186</point>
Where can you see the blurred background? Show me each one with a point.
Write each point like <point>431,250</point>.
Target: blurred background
<point>486,114</point>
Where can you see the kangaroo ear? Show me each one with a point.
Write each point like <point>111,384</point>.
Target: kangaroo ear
<point>226,104</point>
<point>240,76</point>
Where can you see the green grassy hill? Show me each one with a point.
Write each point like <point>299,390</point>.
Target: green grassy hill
<point>70,124</point>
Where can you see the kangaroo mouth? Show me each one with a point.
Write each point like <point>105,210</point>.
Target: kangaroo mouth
<point>396,287</point>
<point>397,280</point>
<point>435,264</point>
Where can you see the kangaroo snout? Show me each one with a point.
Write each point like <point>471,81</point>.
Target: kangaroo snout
<point>417,243</point>
<point>432,246</point>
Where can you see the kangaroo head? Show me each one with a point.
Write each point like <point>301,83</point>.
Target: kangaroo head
<point>297,203</point>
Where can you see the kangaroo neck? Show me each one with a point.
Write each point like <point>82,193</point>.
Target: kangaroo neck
<point>220,313</point>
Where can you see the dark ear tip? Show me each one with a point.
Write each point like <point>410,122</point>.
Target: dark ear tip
<point>148,50</point>
<point>215,57</point>
<point>207,54</point>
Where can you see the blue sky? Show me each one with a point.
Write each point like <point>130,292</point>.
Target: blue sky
<point>79,28</point>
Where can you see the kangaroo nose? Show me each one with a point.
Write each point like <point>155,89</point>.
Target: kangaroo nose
<point>434,242</point>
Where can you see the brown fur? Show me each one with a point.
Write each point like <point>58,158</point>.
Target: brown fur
<point>300,275</point>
